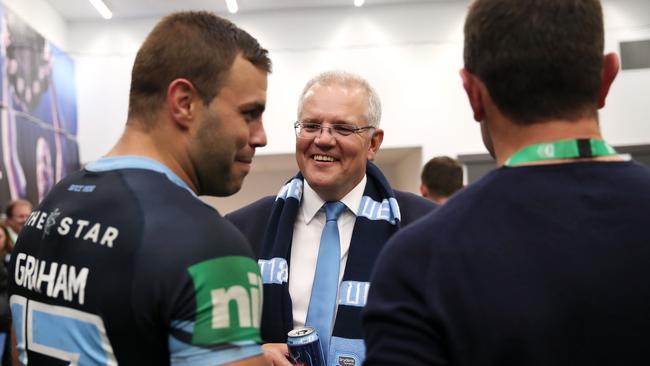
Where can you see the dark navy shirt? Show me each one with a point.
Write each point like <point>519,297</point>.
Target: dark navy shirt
<point>538,265</point>
<point>122,263</point>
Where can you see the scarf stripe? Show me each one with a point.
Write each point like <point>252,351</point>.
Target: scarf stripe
<point>387,209</point>
<point>293,189</point>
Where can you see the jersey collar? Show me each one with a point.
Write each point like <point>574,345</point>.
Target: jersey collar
<point>136,162</point>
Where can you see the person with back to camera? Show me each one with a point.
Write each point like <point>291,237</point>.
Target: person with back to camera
<point>543,261</point>
<point>338,194</point>
<point>122,262</point>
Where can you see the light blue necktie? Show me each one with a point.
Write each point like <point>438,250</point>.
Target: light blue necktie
<point>326,282</point>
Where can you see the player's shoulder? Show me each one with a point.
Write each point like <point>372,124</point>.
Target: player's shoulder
<point>177,224</point>
<point>198,231</point>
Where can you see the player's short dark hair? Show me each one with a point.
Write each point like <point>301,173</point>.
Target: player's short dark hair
<point>442,176</point>
<point>539,59</point>
<point>196,45</point>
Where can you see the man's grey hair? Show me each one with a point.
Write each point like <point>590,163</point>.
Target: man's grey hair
<point>373,114</point>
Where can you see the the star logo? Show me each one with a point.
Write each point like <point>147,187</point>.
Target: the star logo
<point>51,221</point>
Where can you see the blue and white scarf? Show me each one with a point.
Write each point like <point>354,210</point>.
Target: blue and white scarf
<point>378,217</point>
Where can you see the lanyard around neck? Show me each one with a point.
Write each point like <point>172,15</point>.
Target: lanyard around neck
<point>557,150</point>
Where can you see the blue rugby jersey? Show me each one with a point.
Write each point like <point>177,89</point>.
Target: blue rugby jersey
<point>122,263</point>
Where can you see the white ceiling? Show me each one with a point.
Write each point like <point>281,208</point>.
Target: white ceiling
<point>79,10</point>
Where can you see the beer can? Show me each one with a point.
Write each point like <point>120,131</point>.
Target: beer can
<point>305,347</point>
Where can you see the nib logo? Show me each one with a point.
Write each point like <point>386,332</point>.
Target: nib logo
<point>228,294</point>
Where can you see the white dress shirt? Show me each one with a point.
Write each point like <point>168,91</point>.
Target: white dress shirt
<point>307,231</point>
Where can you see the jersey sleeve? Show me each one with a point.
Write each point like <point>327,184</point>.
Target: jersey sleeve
<point>398,326</point>
<point>221,324</point>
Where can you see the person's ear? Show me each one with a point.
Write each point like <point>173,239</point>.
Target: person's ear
<point>472,86</point>
<point>181,99</point>
<point>424,191</point>
<point>608,74</point>
<point>375,143</point>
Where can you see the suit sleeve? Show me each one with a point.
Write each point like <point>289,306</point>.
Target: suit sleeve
<point>252,221</point>
<point>413,207</point>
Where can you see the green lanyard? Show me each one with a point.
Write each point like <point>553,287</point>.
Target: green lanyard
<point>565,149</point>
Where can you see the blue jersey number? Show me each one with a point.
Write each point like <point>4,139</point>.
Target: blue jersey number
<point>63,333</point>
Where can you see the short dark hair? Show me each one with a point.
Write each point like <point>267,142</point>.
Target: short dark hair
<point>196,45</point>
<point>9,210</point>
<point>539,59</point>
<point>442,176</point>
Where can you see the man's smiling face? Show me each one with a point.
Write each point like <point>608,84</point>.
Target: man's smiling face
<point>334,165</point>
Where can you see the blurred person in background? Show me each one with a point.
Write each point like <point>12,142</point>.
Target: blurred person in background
<point>441,177</point>
<point>16,213</point>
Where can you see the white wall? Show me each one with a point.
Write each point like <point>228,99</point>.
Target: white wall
<point>410,53</point>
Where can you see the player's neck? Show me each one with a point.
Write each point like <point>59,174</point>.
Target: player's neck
<point>155,145</point>
<point>512,138</point>
<point>439,199</point>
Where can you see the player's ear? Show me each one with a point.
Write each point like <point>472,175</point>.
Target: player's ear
<point>472,86</point>
<point>182,98</point>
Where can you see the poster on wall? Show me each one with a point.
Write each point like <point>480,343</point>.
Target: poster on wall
<point>38,110</point>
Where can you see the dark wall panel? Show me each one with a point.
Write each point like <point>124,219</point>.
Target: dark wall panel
<point>635,55</point>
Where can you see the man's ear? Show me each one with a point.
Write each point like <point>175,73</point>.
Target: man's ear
<point>375,143</point>
<point>472,86</point>
<point>608,74</point>
<point>181,100</point>
<point>424,191</point>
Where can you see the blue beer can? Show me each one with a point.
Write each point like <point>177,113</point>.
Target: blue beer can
<point>304,347</point>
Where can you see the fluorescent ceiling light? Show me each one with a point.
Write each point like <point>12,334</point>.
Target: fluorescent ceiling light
<point>103,10</point>
<point>359,3</point>
<point>232,6</point>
